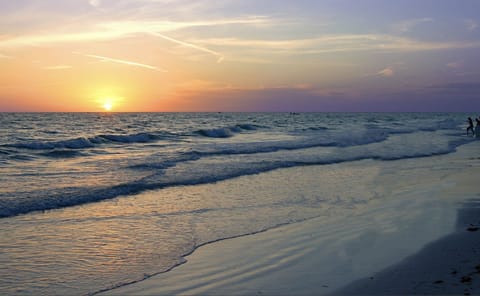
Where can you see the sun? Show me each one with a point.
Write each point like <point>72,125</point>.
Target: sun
<point>107,106</point>
<point>108,103</point>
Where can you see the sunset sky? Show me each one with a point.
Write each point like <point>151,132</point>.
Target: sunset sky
<point>239,55</point>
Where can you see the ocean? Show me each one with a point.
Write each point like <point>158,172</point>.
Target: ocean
<point>92,201</point>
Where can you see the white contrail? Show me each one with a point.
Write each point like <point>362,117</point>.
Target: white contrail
<point>107,59</point>
<point>194,46</point>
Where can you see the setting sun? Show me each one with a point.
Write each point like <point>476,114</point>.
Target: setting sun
<point>107,106</point>
<point>108,103</point>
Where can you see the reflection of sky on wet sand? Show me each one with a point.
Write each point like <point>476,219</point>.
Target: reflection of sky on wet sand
<point>120,240</point>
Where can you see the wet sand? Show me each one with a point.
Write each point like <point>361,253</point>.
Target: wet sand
<point>422,239</point>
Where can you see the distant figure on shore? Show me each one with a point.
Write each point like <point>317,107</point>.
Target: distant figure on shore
<point>477,128</point>
<point>470,125</point>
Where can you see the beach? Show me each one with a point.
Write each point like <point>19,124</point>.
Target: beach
<point>418,240</point>
<point>180,147</point>
<point>237,203</point>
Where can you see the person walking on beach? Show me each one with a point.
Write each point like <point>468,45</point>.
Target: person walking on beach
<point>470,125</point>
<point>477,128</point>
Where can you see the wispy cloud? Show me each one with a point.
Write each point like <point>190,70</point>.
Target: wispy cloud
<point>94,3</point>
<point>117,30</point>
<point>387,72</point>
<point>470,24</point>
<point>336,43</point>
<point>57,67</point>
<point>128,27</point>
<point>458,68</point>
<point>42,39</point>
<point>455,65</point>
<point>124,62</point>
<point>219,56</point>
<point>408,25</point>
<point>243,48</point>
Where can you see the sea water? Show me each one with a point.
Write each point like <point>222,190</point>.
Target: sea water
<point>91,201</point>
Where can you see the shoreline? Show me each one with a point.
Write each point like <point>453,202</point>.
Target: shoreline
<point>187,255</point>
<point>326,255</point>
<point>412,276</point>
<point>251,265</point>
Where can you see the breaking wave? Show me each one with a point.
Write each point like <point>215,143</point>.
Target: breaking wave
<point>226,132</point>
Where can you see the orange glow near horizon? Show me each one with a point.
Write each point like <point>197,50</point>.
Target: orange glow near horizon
<point>83,56</point>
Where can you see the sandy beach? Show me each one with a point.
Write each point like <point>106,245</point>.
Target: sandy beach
<point>420,239</point>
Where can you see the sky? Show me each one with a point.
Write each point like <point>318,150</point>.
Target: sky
<point>239,55</point>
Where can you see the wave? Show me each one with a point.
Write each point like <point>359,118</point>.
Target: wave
<point>144,137</point>
<point>135,138</point>
<point>77,143</point>
<point>62,153</point>
<point>83,142</point>
<point>166,161</point>
<point>248,127</point>
<point>325,139</point>
<point>315,128</point>
<point>22,157</point>
<point>217,133</point>
<point>226,132</point>
<point>188,169</point>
